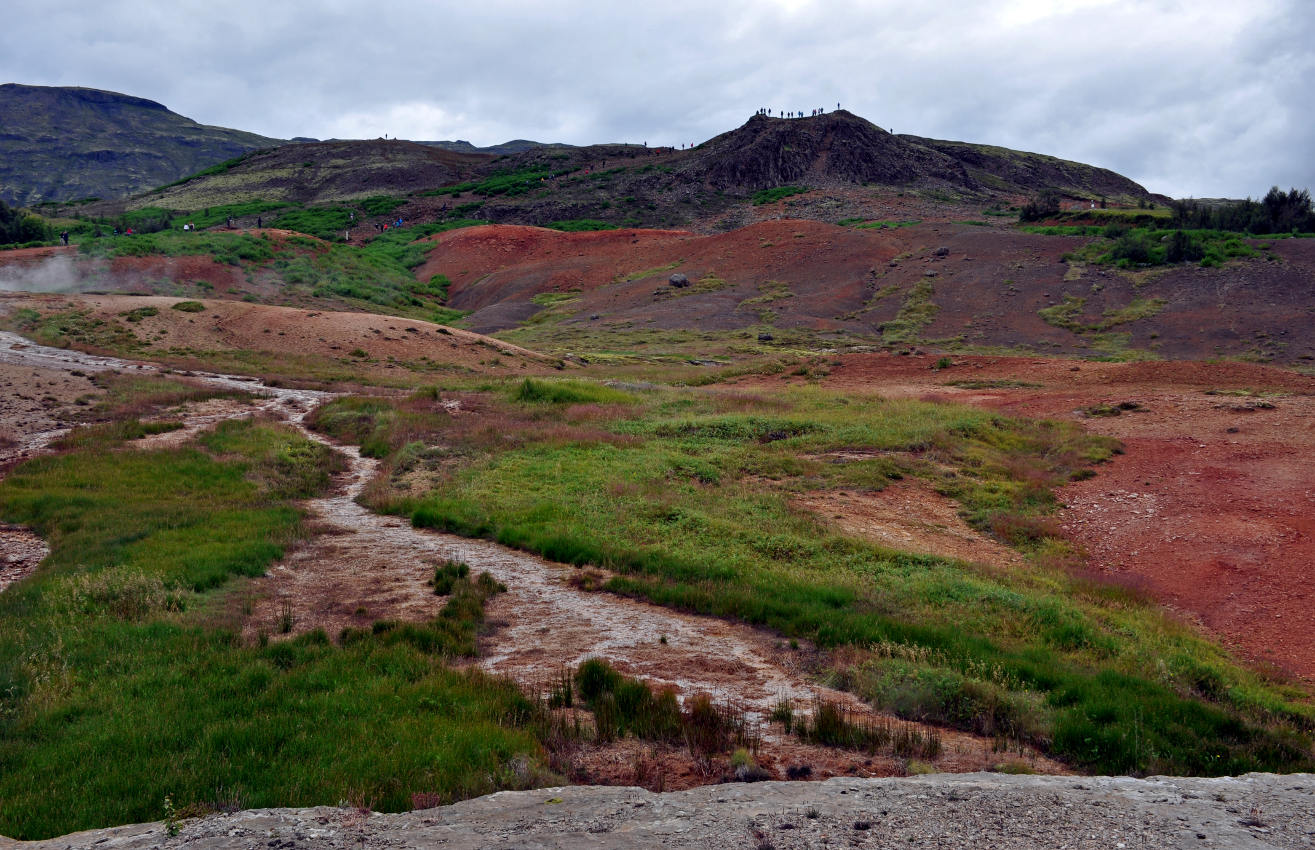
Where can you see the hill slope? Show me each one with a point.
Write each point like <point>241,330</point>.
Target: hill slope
<point>944,285</point>
<point>836,157</point>
<point>322,172</point>
<point>68,143</point>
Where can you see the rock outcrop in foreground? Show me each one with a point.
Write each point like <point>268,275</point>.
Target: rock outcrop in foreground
<point>942,811</point>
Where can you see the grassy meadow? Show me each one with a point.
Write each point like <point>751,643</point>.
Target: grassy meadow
<point>123,681</point>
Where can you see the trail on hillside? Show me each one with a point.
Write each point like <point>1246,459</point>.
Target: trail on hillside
<point>359,567</point>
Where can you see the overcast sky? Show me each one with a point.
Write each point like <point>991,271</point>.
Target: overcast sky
<point>1205,98</point>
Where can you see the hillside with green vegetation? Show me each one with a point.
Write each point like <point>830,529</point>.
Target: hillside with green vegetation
<point>715,183</point>
<point>64,144</point>
<point>377,277</point>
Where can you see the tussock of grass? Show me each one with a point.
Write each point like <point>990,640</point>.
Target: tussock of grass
<point>537,391</point>
<point>1067,314</point>
<point>624,706</point>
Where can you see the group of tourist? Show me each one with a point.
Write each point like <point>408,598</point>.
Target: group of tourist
<point>781,113</point>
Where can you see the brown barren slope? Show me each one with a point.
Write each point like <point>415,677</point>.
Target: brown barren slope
<point>282,331</point>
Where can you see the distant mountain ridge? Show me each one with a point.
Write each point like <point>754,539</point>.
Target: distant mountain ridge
<point>513,146</point>
<point>66,143</point>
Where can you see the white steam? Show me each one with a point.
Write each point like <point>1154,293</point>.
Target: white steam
<point>54,274</point>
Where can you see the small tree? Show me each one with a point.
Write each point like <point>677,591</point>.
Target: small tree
<point>17,226</point>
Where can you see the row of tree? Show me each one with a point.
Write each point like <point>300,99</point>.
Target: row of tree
<point>17,227</point>
<point>1277,212</point>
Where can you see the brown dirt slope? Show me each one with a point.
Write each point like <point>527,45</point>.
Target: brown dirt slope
<point>282,331</point>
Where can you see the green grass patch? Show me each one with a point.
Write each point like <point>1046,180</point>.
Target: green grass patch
<point>328,223</point>
<point>869,224</point>
<point>645,273</point>
<point>140,313</point>
<point>771,196</point>
<point>917,311</point>
<point>1067,314</point>
<point>543,391</point>
<point>221,168</point>
<point>512,183</point>
<point>577,225</point>
<point>68,327</point>
<point>380,204</point>
<point>1063,229</point>
<point>992,384</point>
<point>212,216</point>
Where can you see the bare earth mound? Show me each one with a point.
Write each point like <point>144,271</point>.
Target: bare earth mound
<point>358,338</point>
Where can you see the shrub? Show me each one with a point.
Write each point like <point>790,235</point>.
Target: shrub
<point>1183,247</point>
<point>140,313</point>
<point>1040,206</point>
<point>188,306</point>
<point>17,226</point>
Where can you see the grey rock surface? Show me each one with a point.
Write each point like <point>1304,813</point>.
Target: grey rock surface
<point>944,811</point>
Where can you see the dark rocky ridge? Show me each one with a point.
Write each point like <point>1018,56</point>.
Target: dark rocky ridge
<point>70,143</point>
<point>768,152</point>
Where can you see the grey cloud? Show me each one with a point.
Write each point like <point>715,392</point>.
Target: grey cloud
<point>1164,91</point>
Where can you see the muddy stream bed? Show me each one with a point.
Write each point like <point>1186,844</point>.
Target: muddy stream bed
<point>358,567</point>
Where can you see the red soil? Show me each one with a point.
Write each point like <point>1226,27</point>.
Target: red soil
<point>988,285</point>
<point>1211,507</point>
<point>622,274</point>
